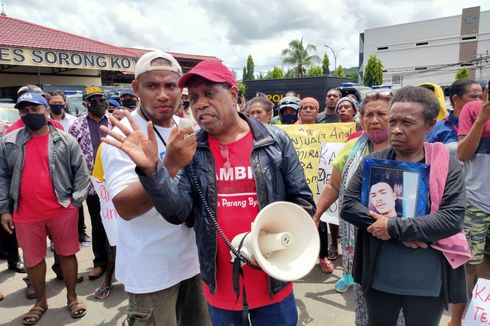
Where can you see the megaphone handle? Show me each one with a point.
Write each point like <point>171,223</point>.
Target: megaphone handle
<point>197,187</point>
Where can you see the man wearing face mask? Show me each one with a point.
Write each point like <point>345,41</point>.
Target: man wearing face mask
<point>86,130</point>
<point>42,201</point>
<point>288,110</point>
<point>128,100</point>
<point>57,110</point>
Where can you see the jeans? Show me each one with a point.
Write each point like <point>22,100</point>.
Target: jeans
<point>283,313</point>
<point>180,305</point>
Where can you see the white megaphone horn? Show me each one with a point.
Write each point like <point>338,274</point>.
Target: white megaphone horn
<point>283,241</point>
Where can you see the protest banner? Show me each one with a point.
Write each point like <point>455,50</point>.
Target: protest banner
<point>317,145</point>
<point>478,311</point>
<point>108,212</point>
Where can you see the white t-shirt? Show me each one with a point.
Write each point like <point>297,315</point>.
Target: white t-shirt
<point>152,254</point>
<point>67,121</point>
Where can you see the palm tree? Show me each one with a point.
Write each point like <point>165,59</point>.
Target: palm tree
<point>299,56</point>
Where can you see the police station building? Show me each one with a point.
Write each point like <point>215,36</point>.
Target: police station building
<point>53,59</point>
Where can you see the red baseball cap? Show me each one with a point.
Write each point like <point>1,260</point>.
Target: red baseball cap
<point>212,70</point>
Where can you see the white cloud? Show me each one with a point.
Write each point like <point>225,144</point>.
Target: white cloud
<point>231,30</point>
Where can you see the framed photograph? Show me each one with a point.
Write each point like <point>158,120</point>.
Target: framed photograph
<point>394,188</point>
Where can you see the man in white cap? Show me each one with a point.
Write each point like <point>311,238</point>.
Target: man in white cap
<point>157,261</point>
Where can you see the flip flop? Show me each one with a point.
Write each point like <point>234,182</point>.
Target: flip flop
<point>103,292</point>
<point>77,309</point>
<point>34,315</point>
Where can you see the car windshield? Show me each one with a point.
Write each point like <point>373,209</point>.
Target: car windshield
<point>8,113</point>
<point>75,105</point>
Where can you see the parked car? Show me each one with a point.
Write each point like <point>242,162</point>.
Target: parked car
<point>8,115</point>
<point>75,105</point>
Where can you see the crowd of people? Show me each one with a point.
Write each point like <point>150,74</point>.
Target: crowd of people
<point>173,186</point>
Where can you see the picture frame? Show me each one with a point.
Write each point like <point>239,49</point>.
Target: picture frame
<point>395,188</point>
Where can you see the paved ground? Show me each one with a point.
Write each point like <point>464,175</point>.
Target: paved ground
<point>317,301</point>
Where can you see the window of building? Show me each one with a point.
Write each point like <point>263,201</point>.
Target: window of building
<point>381,48</point>
<point>420,68</point>
<point>421,43</point>
<point>468,38</point>
<point>396,79</point>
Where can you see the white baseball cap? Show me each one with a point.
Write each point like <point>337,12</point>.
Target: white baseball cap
<point>144,63</point>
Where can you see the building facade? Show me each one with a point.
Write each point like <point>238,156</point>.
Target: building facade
<point>431,50</point>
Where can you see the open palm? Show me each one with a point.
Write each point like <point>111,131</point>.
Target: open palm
<point>142,149</point>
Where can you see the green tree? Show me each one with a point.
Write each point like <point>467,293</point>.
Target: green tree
<point>248,70</point>
<point>299,56</point>
<point>462,73</point>
<point>326,64</point>
<point>373,73</point>
<point>339,72</point>
<point>275,73</point>
<point>242,87</point>
<point>314,71</point>
<point>354,76</point>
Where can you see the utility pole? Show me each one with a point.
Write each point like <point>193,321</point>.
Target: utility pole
<point>334,55</point>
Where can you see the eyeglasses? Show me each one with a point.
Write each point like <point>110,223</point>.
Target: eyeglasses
<point>225,154</point>
<point>380,94</point>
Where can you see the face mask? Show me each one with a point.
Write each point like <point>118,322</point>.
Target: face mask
<point>289,119</point>
<point>34,121</point>
<point>129,103</point>
<point>377,136</point>
<point>56,109</point>
<point>97,107</point>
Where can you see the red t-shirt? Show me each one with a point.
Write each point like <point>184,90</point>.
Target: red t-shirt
<point>237,209</point>
<point>37,199</point>
<point>20,124</point>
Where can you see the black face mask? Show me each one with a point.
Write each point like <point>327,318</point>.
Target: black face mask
<point>289,119</point>
<point>129,103</point>
<point>34,121</point>
<point>97,107</point>
<point>56,109</point>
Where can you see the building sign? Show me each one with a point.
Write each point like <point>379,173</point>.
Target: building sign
<point>65,59</point>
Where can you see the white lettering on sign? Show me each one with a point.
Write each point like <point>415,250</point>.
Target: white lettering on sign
<point>235,173</point>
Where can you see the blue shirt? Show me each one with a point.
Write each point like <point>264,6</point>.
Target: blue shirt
<point>444,131</point>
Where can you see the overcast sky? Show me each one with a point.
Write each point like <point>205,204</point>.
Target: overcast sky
<point>231,30</point>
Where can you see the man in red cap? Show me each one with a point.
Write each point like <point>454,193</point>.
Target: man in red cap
<point>237,165</point>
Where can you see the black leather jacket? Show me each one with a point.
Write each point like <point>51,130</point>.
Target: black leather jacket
<point>278,177</point>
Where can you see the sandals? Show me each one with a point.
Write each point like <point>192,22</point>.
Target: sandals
<point>344,283</point>
<point>77,309</point>
<point>333,254</point>
<point>103,292</point>
<point>34,315</point>
<point>326,266</point>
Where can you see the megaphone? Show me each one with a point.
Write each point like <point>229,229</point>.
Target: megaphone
<point>283,241</point>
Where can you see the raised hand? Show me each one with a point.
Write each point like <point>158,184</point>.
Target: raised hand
<point>181,148</point>
<point>142,149</point>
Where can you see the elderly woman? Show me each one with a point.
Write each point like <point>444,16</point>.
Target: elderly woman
<point>395,264</point>
<point>308,111</point>
<point>260,108</point>
<point>374,118</point>
<point>347,109</point>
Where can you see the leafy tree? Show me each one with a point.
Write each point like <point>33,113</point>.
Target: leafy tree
<point>299,56</point>
<point>275,73</point>
<point>354,76</point>
<point>314,71</point>
<point>248,70</point>
<point>339,72</point>
<point>326,64</point>
<point>373,73</point>
<point>242,87</point>
<point>462,73</point>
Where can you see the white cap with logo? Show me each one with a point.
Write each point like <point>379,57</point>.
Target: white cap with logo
<point>144,63</point>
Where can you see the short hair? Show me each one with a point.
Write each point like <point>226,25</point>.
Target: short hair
<point>419,95</point>
<point>333,89</point>
<point>58,93</point>
<point>459,88</point>
<point>264,101</point>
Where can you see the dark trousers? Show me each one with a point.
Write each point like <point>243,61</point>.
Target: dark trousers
<point>323,233</point>
<point>99,238</point>
<point>9,244</point>
<point>81,222</point>
<point>384,308</point>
